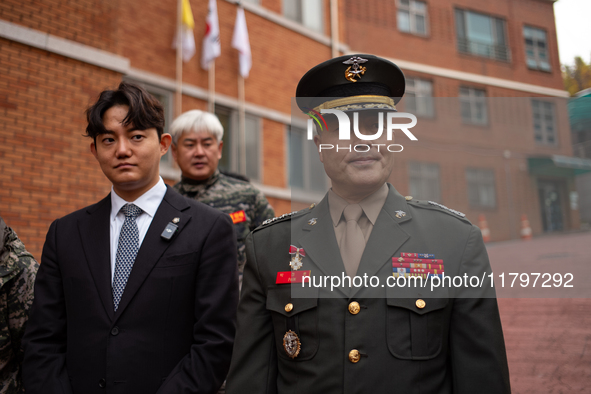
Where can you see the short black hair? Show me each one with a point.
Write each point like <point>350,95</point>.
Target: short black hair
<point>145,111</point>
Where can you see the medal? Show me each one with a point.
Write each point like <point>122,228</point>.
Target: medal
<point>291,344</point>
<point>296,260</point>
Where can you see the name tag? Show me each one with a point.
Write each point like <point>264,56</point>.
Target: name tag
<point>238,216</point>
<point>292,277</point>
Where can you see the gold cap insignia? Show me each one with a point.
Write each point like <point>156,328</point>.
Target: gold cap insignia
<point>355,70</point>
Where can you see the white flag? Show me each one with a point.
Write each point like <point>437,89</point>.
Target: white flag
<point>188,38</point>
<point>240,41</point>
<point>187,35</point>
<point>211,41</point>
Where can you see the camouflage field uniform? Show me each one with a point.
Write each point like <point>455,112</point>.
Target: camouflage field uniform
<point>18,269</point>
<point>231,196</point>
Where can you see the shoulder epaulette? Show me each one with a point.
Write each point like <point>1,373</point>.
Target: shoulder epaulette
<point>283,217</point>
<point>439,207</point>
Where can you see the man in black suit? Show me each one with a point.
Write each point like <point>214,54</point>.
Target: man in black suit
<point>136,293</point>
<point>375,335</point>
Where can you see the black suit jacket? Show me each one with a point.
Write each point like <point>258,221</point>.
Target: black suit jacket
<point>452,343</point>
<point>174,329</point>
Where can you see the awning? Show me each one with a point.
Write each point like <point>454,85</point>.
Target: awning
<point>557,165</point>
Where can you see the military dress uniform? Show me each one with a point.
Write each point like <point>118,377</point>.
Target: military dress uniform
<point>18,269</point>
<point>369,340</point>
<point>308,338</point>
<point>246,205</point>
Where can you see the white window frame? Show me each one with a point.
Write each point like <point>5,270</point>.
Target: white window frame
<point>232,137</point>
<point>484,182</point>
<point>546,133</point>
<point>308,151</point>
<point>498,50</point>
<point>423,176</point>
<point>413,10</point>
<point>419,96</point>
<point>536,62</point>
<point>473,99</point>
<point>305,10</point>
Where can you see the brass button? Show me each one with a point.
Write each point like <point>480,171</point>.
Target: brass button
<point>354,308</point>
<point>408,198</point>
<point>420,304</point>
<point>289,307</point>
<point>354,356</point>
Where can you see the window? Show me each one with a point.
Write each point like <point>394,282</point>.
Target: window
<point>418,97</point>
<point>481,35</point>
<point>481,188</point>
<point>168,167</point>
<point>231,152</point>
<point>412,17</point>
<point>536,48</point>
<point>473,106</point>
<point>306,172</point>
<point>424,181</point>
<point>544,125</point>
<point>307,12</point>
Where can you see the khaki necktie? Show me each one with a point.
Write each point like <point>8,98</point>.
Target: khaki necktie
<point>353,242</point>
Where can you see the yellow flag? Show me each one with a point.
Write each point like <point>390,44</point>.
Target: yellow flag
<point>187,15</point>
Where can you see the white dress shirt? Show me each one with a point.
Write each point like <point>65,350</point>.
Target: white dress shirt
<point>148,202</point>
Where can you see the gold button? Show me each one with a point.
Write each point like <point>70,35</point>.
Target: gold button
<point>289,307</point>
<point>354,356</point>
<point>354,308</point>
<point>420,304</point>
<point>312,206</point>
<point>408,198</point>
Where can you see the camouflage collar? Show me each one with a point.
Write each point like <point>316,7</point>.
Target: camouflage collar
<point>208,182</point>
<point>192,186</point>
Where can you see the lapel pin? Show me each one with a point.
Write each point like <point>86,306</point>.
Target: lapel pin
<point>169,231</point>
<point>400,214</point>
<point>312,221</point>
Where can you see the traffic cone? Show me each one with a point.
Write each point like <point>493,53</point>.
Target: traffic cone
<point>484,228</point>
<point>525,228</point>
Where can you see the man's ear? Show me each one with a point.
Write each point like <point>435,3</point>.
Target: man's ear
<point>93,150</point>
<point>317,142</point>
<point>220,146</point>
<point>165,141</point>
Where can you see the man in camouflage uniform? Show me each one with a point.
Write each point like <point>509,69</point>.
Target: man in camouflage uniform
<point>197,148</point>
<point>18,269</point>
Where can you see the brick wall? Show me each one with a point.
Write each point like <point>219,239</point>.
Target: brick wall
<point>46,168</point>
<point>371,27</point>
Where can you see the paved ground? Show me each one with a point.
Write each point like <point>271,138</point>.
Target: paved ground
<point>548,339</point>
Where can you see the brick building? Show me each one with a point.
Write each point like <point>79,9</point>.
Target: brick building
<point>484,82</point>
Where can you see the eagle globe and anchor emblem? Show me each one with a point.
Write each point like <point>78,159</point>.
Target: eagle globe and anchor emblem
<point>355,69</point>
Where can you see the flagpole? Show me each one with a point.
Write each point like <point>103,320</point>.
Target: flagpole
<point>179,60</point>
<point>242,122</point>
<point>211,86</point>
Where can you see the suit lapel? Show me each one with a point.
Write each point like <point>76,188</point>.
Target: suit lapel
<point>153,245</point>
<point>95,234</point>
<point>320,243</point>
<point>386,237</point>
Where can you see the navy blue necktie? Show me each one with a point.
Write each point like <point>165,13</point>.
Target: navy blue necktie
<point>129,244</point>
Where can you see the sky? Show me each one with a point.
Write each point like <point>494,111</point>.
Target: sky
<point>573,26</point>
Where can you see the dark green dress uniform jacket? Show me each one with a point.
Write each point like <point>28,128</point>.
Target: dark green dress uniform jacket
<point>451,345</point>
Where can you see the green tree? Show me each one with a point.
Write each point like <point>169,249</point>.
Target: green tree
<point>577,77</point>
